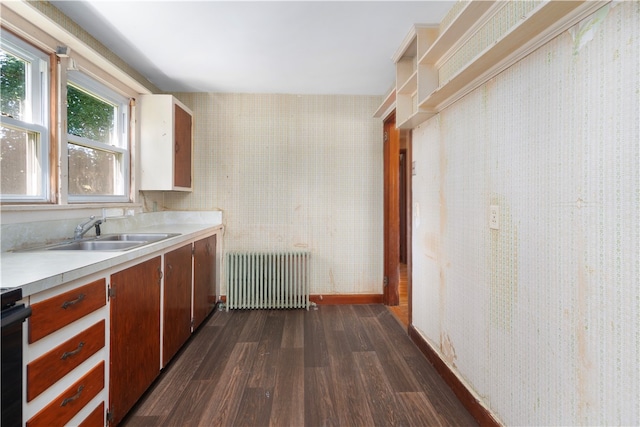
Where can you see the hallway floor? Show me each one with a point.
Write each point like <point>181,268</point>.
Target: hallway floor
<point>335,365</point>
<point>401,311</point>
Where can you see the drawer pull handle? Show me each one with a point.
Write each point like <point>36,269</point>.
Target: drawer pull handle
<point>68,304</point>
<point>72,398</point>
<point>74,352</point>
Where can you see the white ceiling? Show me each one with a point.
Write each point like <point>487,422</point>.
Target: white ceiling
<point>295,47</point>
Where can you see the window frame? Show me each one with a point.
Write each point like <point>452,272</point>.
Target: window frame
<point>121,146</point>
<point>37,120</point>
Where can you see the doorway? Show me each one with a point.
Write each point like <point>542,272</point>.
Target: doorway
<point>397,220</point>
<point>403,204</point>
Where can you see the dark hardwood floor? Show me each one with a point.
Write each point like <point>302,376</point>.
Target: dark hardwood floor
<point>341,365</point>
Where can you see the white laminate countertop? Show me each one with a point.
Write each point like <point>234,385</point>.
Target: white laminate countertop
<point>36,271</point>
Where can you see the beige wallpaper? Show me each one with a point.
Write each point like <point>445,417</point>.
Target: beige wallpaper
<point>293,172</point>
<point>541,317</point>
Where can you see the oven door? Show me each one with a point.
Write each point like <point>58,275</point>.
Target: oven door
<point>13,315</point>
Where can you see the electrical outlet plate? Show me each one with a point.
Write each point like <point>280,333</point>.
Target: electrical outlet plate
<point>494,217</point>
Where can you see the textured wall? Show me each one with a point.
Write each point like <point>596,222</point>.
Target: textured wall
<point>541,317</point>
<point>293,172</point>
<point>69,25</point>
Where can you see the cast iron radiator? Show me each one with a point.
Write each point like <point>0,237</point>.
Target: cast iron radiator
<point>267,280</point>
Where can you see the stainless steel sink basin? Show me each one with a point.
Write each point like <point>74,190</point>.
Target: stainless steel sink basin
<point>138,237</point>
<point>96,245</point>
<point>107,242</point>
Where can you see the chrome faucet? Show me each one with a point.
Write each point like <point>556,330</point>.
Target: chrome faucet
<point>82,228</point>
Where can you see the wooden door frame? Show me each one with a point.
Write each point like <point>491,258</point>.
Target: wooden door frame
<point>409,217</point>
<point>391,144</point>
<point>391,150</point>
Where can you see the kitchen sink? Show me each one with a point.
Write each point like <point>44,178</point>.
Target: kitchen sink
<point>137,237</point>
<point>107,242</point>
<point>95,245</point>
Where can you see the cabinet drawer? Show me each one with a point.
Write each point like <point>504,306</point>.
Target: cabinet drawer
<point>69,403</point>
<point>55,364</point>
<point>52,314</point>
<point>95,418</point>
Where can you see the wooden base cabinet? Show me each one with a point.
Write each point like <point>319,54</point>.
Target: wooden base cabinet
<point>145,313</point>
<point>62,409</point>
<point>186,278</point>
<point>135,335</point>
<point>177,301</point>
<point>52,366</point>
<point>58,383</point>
<point>204,283</point>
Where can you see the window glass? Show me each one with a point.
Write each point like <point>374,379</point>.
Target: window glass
<point>97,145</point>
<point>24,144</point>
<point>89,116</point>
<point>13,84</point>
<point>20,162</point>
<point>92,172</point>
<point>98,151</point>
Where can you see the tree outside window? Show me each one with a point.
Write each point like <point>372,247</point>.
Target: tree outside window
<point>97,148</point>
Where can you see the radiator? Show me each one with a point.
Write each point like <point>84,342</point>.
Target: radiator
<point>267,280</point>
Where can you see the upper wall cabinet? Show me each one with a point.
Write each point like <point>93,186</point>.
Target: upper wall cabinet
<point>436,66</point>
<point>166,135</point>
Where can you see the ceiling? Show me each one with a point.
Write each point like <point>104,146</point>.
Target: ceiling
<point>294,47</point>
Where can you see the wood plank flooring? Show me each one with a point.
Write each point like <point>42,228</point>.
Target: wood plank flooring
<point>342,365</point>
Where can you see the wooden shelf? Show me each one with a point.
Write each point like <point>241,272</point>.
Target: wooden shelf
<point>387,105</point>
<point>542,24</point>
<point>415,119</point>
<point>409,46</point>
<point>462,24</point>
<point>419,92</point>
<point>410,86</point>
<point>412,82</point>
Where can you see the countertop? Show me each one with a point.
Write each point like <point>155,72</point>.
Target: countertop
<point>36,271</point>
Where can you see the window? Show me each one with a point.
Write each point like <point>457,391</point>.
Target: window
<point>95,163</point>
<point>24,125</point>
<point>97,137</point>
